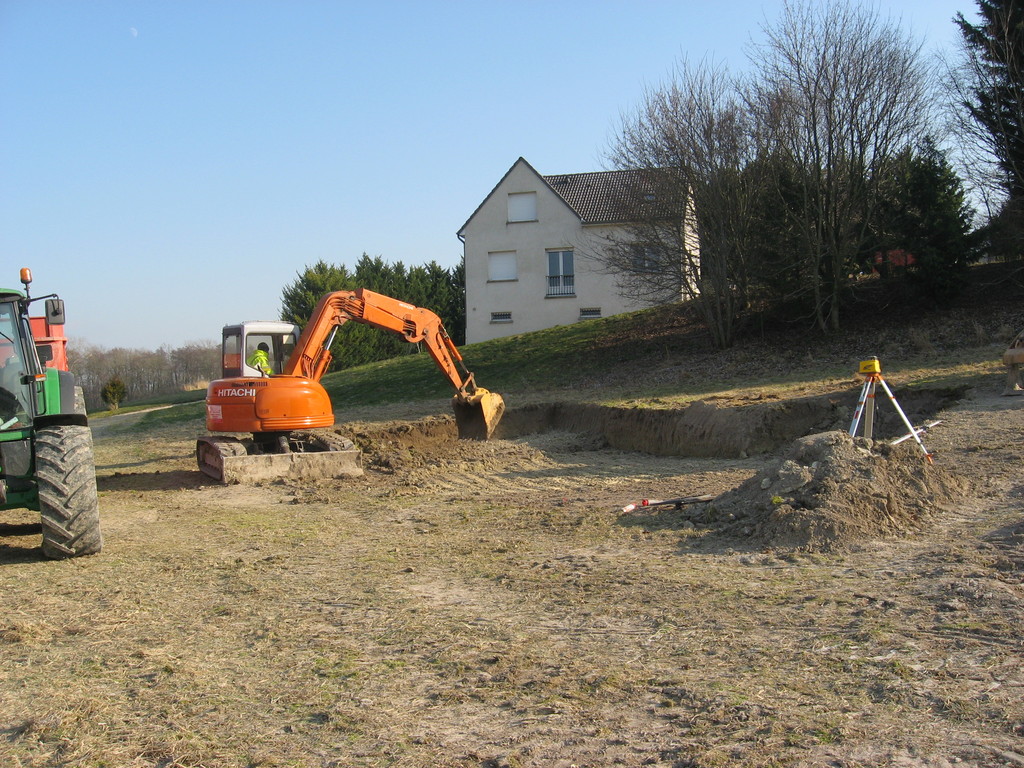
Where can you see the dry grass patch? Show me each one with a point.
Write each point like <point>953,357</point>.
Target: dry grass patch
<point>491,605</point>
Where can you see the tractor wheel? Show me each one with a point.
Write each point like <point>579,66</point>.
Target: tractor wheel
<point>68,500</point>
<point>80,401</point>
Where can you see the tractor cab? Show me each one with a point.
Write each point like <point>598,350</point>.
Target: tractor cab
<point>240,342</point>
<point>46,457</point>
<point>19,365</point>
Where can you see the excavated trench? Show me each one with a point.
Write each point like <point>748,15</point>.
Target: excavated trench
<point>704,429</point>
<point>819,489</point>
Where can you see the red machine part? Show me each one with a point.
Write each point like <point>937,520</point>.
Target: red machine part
<point>45,333</point>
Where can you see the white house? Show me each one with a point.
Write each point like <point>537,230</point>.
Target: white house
<point>529,249</point>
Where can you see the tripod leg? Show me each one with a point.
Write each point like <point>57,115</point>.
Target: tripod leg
<point>906,421</point>
<point>860,409</point>
<point>869,412</point>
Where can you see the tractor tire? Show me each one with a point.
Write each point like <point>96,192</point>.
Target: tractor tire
<point>68,500</point>
<point>80,401</point>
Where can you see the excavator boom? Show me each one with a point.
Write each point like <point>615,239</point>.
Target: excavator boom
<point>477,411</point>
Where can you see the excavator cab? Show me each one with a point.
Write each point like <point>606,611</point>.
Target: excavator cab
<point>240,341</point>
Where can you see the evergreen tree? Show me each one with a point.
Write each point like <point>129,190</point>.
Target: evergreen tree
<point>924,213</point>
<point>996,96</point>
<point>114,392</point>
<point>432,287</point>
<point>779,267</point>
<point>299,298</point>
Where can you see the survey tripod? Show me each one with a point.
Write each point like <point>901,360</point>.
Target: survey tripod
<point>871,370</point>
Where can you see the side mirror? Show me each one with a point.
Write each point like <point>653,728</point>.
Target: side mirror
<point>55,311</point>
<point>45,352</point>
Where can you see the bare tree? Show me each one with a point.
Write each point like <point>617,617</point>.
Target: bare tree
<point>688,144</point>
<point>194,364</point>
<point>144,373</point>
<point>974,151</point>
<point>839,93</point>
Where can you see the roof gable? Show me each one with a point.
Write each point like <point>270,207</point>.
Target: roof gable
<point>596,197</point>
<point>521,161</point>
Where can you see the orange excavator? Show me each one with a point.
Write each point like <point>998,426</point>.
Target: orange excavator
<point>287,413</point>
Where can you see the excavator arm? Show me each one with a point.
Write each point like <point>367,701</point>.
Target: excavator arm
<point>415,324</point>
<point>477,411</point>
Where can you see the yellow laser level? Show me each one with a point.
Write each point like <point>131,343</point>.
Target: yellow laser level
<point>870,366</point>
<point>872,371</point>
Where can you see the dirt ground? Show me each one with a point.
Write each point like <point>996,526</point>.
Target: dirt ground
<point>492,605</point>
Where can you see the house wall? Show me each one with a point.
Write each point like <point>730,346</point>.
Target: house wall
<point>525,298</point>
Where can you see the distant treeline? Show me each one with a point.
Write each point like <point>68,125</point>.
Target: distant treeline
<point>145,373</point>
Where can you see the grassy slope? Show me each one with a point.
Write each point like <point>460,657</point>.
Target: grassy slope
<point>663,356</point>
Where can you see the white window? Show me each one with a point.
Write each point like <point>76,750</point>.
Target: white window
<point>522,206</point>
<point>587,313</point>
<point>501,265</point>
<point>561,277</point>
<point>501,317</point>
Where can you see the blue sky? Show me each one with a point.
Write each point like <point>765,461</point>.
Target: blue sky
<point>168,166</point>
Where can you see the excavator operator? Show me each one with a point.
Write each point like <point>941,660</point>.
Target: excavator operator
<point>260,359</point>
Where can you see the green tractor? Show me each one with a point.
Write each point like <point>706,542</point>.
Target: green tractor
<point>46,459</point>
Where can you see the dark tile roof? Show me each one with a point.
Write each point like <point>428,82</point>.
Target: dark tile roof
<point>602,197</point>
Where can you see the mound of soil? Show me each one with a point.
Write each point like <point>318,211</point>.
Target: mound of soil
<point>432,444</point>
<point>831,491</point>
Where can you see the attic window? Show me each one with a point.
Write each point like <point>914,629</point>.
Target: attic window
<point>522,206</point>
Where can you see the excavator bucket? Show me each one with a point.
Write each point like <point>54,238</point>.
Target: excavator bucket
<point>478,414</point>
